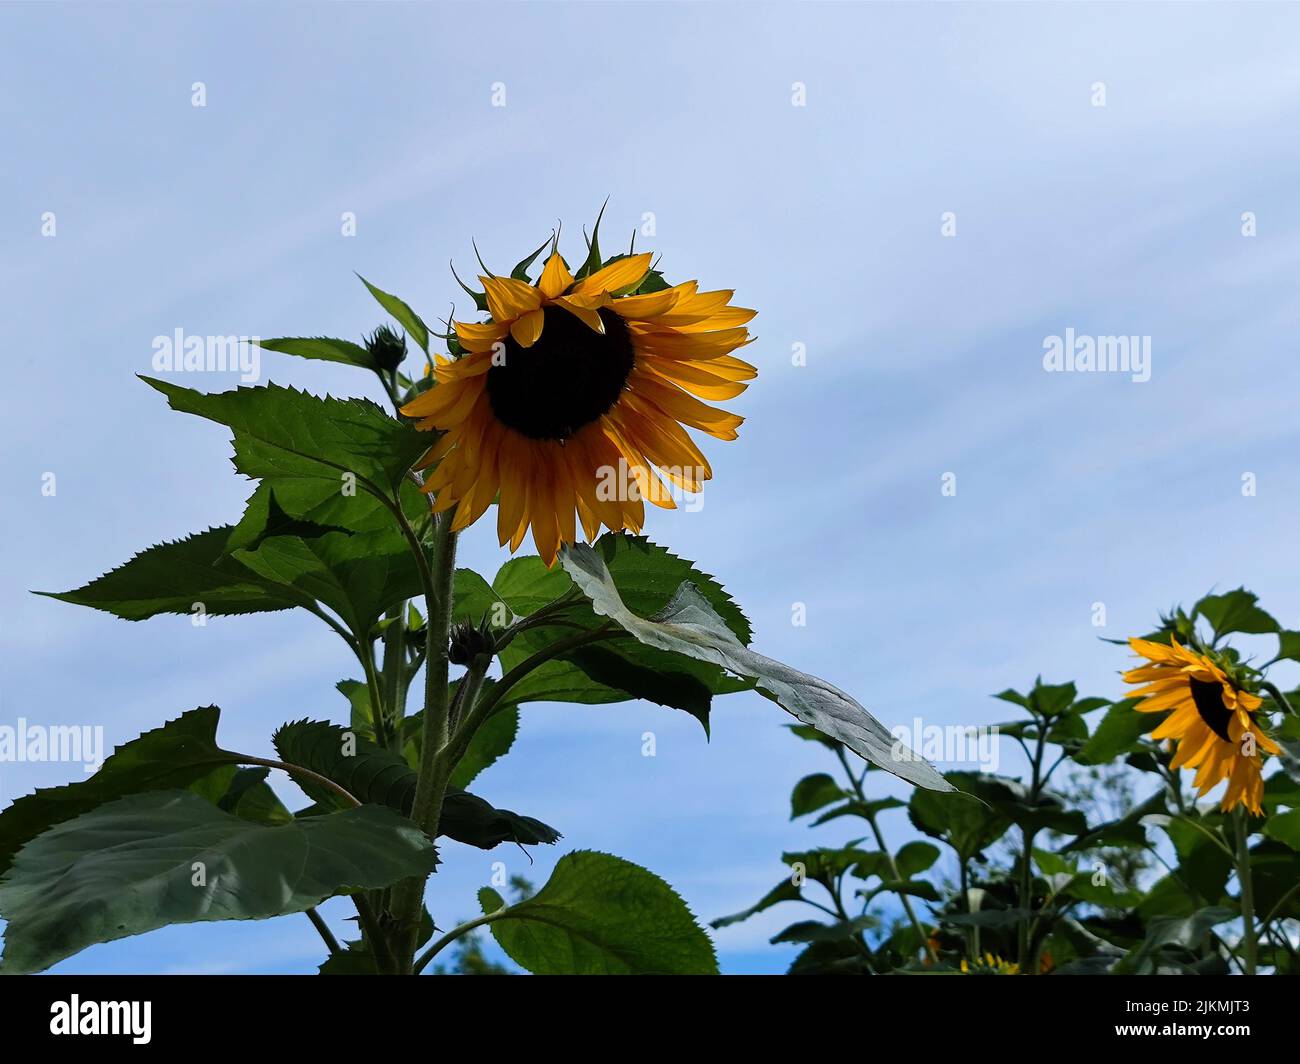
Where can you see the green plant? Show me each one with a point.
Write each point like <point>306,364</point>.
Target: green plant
<point>355,519</point>
<point>1094,861</point>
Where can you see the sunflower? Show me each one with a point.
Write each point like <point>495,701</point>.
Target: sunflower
<point>1210,720</point>
<point>570,401</point>
<point>989,964</point>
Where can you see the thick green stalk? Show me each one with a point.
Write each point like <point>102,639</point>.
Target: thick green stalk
<point>1027,857</point>
<point>427,807</point>
<point>893,867</point>
<point>1250,942</point>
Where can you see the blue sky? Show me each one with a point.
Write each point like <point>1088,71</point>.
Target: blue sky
<point>924,353</point>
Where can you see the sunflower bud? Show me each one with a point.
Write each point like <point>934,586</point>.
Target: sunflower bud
<point>386,347</point>
<point>469,641</point>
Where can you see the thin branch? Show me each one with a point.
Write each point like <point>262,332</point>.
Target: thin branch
<point>893,866</point>
<point>305,773</point>
<point>325,933</point>
<point>455,933</point>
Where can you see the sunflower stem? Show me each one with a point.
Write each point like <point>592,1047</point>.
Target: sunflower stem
<point>1027,857</point>
<point>427,807</point>
<point>391,672</point>
<point>856,784</point>
<point>1250,941</point>
<point>474,717</point>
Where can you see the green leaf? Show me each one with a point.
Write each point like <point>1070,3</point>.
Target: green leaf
<point>608,672</point>
<point>1119,732</point>
<point>813,792</point>
<point>689,625</point>
<point>959,819</point>
<point>169,857</point>
<point>815,931</point>
<point>469,819</point>
<point>652,282</point>
<point>1273,867</point>
<point>646,575</point>
<point>1285,827</point>
<point>323,348</point>
<point>490,743</point>
<point>473,597</point>
<point>375,775</point>
<point>277,503</point>
<point>250,797</point>
<point>1288,645</point>
<point>362,717</point>
<point>402,314</point>
<point>812,735</point>
<point>1186,932</point>
<point>916,888</point>
<point>176,577</point>
<point>786,890</point>
<point>1044,700</point>
<point>526,585</point>
<point>825,863</point>
<point>1235,611</point>
<point>994,918</point>
<point>282,432</point>
<point>353,959</point>
<point>601,915</point>
<point>173,756</point>
<point>1128,830</point>
<point>358,575</point>
<point>914,858</point>
<point>832,958</point>
<point>1054,864</point>
<point>617,672</point>
<point>1104,895</point>
<point>264,518</point>
<point>865,810</point>
<point>369,772</point>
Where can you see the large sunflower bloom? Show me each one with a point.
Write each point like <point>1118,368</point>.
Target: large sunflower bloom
<point>571,401</point>
<point>1209,718</point>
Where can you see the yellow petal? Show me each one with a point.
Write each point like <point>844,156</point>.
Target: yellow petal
<point>528,328</point>
<point>556,278</point>
<point>588,316</point>
<point>508,298</point>
<point>616,275</point>
<point>651,305</point>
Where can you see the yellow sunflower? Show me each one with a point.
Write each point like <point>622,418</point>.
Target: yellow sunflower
<point>571,400</point>
<point>989,964</point>
<point>1210,717</point>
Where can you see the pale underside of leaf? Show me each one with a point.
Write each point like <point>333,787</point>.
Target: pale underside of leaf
<point>689,625</point>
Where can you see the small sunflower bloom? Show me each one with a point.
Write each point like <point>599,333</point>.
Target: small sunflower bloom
<point>572,401</point>
<point>989,964</point>
<point>1212,720</point>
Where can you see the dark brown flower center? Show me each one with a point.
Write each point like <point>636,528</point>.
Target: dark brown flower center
<point>1209,704</point>
<point>568,378</point>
